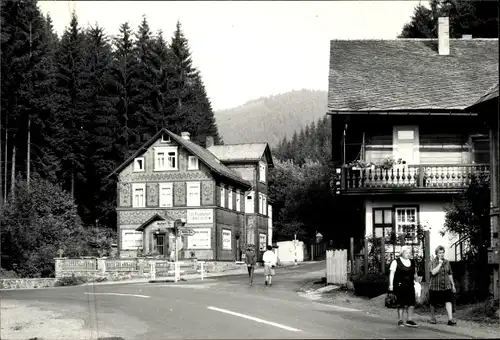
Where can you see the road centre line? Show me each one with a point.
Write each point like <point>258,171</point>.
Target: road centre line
<point>254,319</point>
<point>119,294</point>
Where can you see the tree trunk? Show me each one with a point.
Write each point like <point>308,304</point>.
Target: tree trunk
<point>5,165</point>
<point>1,184</point>
<point>28,154</point>
<point>13,169</point>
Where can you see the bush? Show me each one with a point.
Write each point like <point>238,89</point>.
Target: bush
<point>71,281</point>
<point>370,285</point>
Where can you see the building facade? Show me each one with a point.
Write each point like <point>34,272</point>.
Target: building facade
<point>171,178</point>
<point>403,140</point>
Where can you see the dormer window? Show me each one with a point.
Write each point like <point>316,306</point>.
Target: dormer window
<point>262,172</point>
<point>192,163</point>
<point>139,164</point>
<point>165,138</point>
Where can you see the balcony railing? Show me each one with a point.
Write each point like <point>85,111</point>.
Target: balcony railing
<point>438,176</point>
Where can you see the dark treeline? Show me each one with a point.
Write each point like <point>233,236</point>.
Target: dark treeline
<point>74,107</point>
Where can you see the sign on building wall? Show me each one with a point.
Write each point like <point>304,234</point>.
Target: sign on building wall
<point>226,239</point>
<point>200,240</point>
<point>199,216</point>
<point>131,240</point>
<point>262,242</point>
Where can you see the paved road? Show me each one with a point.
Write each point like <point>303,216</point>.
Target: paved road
<point>217,308</point>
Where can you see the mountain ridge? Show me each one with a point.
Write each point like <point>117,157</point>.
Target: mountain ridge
<point>269,119</point>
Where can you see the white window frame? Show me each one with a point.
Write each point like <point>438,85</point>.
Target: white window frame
<point>260,203</point>
<point>250,207</point>
<point>136,187</point>
<point>193,198</point>
<point>264,205</point>
<point>166,151</point>
<point>399,225</point>
<point>238,200</point>
<point>222,196</point>
<point>136,164</point>
<point>225,234</point>
<point>137,240</point>
<point>196,161</point>
<point>230,199</point>
<point>163,140</point>
<point>168,202</point>
<point>262,172</point>
<point>262,242</point>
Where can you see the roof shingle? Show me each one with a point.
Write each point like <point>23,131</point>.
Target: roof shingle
<point>239,152</point>
<point>409,74</point>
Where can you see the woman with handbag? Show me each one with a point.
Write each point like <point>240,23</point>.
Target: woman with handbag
<point>403,274</point>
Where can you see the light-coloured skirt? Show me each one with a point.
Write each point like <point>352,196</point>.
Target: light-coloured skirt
<point>268,270</point>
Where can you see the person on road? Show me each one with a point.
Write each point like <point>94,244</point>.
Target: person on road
<point>270,261</point>
<point>251,261</point>
<point>402,275</point>
<point>442,286</point>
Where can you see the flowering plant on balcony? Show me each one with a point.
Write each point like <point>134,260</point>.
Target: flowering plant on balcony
<point>389,163</point>
<point>360,164</point>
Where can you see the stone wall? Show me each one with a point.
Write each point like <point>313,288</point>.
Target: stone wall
<point>27,283</point>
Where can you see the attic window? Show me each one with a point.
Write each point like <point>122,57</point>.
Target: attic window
<point>165,138</point>
<point>139,164</point>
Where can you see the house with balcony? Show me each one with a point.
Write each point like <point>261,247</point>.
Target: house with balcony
<point>404,141</point>
<point>172,178</point>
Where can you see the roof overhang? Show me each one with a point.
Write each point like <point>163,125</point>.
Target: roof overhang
<point>170,222</point>
<point>405,113</point>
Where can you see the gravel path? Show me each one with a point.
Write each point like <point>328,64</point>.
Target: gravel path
<point>34,320</point>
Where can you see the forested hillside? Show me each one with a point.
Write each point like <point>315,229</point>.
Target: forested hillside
<point>74,107</point>
<point>270,119</point>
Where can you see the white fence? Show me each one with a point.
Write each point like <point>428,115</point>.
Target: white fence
<point>336,267</point>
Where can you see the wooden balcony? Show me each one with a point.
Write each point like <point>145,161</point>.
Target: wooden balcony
<point>424,178</point>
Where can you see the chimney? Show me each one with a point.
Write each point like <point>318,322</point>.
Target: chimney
<point>209,141</point>
<point>185,135</point>
<point>467,36</point>
<point>444,35</point>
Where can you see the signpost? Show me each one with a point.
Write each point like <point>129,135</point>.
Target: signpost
<point>186,232</point>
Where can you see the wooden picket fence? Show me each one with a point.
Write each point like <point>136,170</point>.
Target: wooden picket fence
<point>336,267</point>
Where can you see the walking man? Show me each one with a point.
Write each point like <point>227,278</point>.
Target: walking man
<point>251,261</point>
<point>270,259</point>
<point>442,286</point>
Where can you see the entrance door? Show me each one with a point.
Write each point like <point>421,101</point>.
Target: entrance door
<point>160,244</point>
<point>406,144</point>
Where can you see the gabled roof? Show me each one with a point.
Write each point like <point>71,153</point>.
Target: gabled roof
<point>251,152</point>
<point>203,155</point>
<point>409,74</point>
<point>153,219</point>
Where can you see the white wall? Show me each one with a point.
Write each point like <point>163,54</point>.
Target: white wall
<point>286,251</point>
<point>431,214</point>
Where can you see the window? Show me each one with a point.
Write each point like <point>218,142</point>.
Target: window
<point>139,195</point>
<point>230,199</point>
<point>406,224</point>
<point>193,194</point>
<point>165,158</point>
<point>238,200</point>
<point>382,223</point>
<point>222,196</point>
<point>139,164</point>
<point>249,205</point>
<point>166,195</point>
<point>262,172</point>
<point>226,239</point>
<point>192,163</point>
<point>160,244</point>
<point>131,240</point>
<point>264,205</point>
<point>406,135</point>
<point>165,138</point>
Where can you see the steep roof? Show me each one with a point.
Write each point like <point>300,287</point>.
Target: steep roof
<point>409,74</point>
<point>204,156</point>
<point>242,152</point>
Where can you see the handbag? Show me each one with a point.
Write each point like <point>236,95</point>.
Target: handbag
<point>391,300</point>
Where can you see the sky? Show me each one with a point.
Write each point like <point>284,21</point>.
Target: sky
<point>249,49</point>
